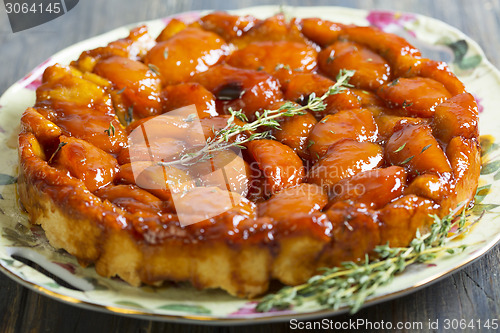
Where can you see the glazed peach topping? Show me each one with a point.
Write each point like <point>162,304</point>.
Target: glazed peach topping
<point>396,146</point>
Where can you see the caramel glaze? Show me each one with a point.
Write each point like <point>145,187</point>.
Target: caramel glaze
<point>406,132</point>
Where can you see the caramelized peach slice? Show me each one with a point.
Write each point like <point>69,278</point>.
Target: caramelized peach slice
<point>173,126</point>
<point>371,70</point>
<point>465,160</point>
<point>242,89</point>
<point>159,149</point>
<point>417,96</point>
<point>357,124</point>
<point>440,72</point>
<point>271,56</point>
<point>343,160</point>
<point>225,169</point>
<point>277,162</point>
<point>301,86</point>
<point>430,186</point>
<point>322,32</point>
<point>402,56</point>
<point>159,180</point>
<point>202,203</point>
<point>275,28</point>
<point>226,25</point>
<point>141,86</point>
<point>132,199</point>
<point>456,116</point>
<point>368,98</point>
<point>86,162</point>
<point>401,218</point>
<point>374,188</point>
<point>173,27</point>
<point>294,131</point>
<point>45,131</point>
<point>134,46</point>
<point>387,123</point>
<point>184,94</point>
<point>303,198</point>
<point>355,232</point>
<point>414,148</point>
<point>187,53</point>
<point>101,130</point>
<point>64,86</point>
<point>181,124</point>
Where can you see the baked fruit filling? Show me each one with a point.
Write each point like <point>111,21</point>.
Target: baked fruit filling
<point>231,151</point>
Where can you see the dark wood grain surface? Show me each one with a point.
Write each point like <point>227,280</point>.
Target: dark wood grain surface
<point>472,293</point>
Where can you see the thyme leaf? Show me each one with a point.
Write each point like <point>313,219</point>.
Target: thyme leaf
<point>407,160</point>
<point>425,148</point>
<point>154,69</point>
<point>120,91</point>
<point>129,117</point>
<point>393,83</point>
<point>400,148</point>
<point>111,130</point>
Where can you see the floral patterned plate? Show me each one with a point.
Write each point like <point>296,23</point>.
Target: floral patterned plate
<point>83,287</point>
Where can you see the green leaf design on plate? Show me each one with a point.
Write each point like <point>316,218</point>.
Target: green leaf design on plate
<point>7,179</point>
<point>198,309</point>
<point>482,192</point>
<point>460,48</point>
<point>129,304</point>
<point>496,176</point>
<point>479,208</point>
<point>17,239</point>
<point>96,283</point>
<point>53,285</point>
<point>487,145</point>
<point>470,62</point>
<point>490,167</point>
<point>9,262</point>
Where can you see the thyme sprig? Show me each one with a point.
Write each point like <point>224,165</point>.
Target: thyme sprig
<point>353,283</point>
<point>266,118</point>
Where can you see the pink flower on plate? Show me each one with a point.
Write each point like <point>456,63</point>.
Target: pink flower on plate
<point>480,107</point>
<point>248,310</point>
<point>34,84</point>
<point>390,21</point>
<point>34,78</point>
<point>67,266</point>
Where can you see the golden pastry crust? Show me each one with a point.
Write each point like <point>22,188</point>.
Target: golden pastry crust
<point>406,135</point>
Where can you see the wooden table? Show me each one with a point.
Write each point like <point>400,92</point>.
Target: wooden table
<point>472,293</point>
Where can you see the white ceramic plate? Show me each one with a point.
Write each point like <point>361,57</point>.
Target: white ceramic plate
<point>436,39</point>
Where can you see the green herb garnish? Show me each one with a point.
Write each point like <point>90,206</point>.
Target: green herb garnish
<point>407,160</point>
<point>400,148</point>
<point>351,284</point>
<point>425,148</point>
<point>62,144</point>
<point>111,130</point>
<point>154,69</point>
